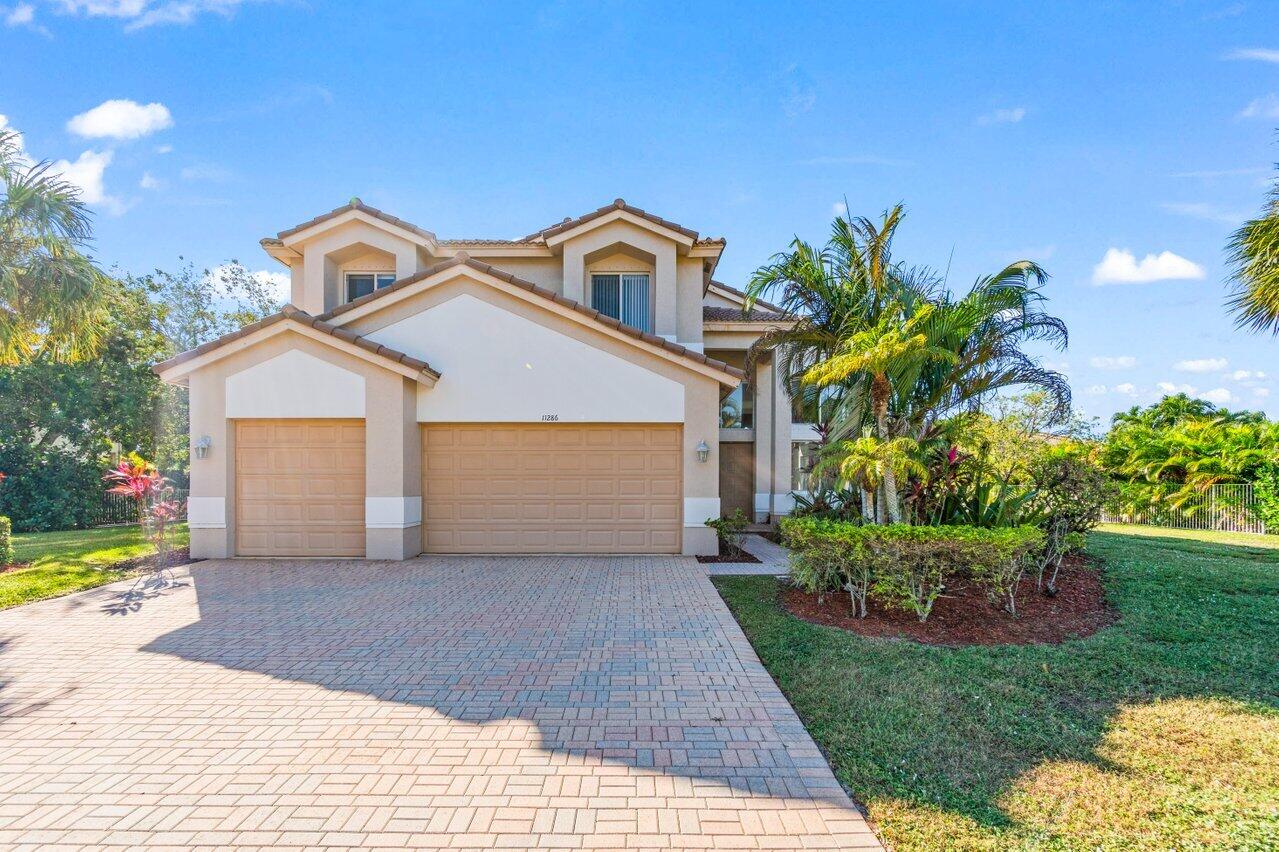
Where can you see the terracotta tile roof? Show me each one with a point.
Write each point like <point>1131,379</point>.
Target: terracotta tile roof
<point>357,204</point>
<point>463,259</point>
<point>291,313</point>
<point>618,204</point>
<point>758,302</point>
<point>484,242</point>
<point>711,313</point>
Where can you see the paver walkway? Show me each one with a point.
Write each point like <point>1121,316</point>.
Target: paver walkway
<point>577,703</point>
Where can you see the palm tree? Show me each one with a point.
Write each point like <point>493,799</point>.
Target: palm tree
<point>1253,251</point>
<point>893,347</point>
<point>52,297</point>
<point>869,463</point>
<point>886,345</point>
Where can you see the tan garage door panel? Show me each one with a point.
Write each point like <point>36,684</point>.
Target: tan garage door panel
<point>555,488</point>
<point>299,487</point>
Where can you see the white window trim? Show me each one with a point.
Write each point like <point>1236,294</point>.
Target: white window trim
<point>376,273</point>
<point>647,273</point>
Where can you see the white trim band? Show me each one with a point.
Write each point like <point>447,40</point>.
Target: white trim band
<point>698,510</point>
<point>392,513</point>
<point>206,513</point>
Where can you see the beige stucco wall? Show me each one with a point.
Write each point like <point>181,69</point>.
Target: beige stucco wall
<point>392,409</point>
<point>701,393</point>
<point>576,252</point>
<point>392,450</point>
<point>325,255</point>
<point>545,272</point>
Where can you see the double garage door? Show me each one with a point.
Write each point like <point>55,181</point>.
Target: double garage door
<point>488,488</point>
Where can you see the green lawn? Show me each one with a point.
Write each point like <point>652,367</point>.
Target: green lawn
<point>1161,732</point>
<point>64,562</point>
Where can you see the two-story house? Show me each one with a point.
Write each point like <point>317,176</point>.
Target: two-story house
<point>580,390</point>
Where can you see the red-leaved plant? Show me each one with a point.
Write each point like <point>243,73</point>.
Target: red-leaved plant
<point>141,482</point>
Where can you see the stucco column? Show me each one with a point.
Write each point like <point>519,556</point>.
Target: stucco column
<point>574,273</point>
<point>772,443</point>
<point>405,260</point>
<point>665,320</point>
<point>701,479</point>
<point>393,469</point>
<point>213,477</point>
<point>313,274</point>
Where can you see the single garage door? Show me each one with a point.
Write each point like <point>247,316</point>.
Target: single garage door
<point>551,488</point>
<point>299,487</point>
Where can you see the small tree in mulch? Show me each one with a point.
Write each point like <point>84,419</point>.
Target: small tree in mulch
<point>142,483</point>
<point>729,530</point>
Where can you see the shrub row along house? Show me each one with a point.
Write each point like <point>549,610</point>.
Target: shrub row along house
<point>582,389</point>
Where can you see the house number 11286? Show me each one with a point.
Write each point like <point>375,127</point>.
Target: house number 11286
<point>550,418</point>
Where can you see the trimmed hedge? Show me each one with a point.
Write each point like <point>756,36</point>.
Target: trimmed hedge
<point>907,567</point>
<point>6,541</point>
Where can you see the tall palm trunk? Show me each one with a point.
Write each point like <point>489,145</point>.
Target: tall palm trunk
<point>868,505</point>
<point>880,391</point>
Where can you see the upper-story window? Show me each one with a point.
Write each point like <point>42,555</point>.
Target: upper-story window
<point>737,410</point>
<point>622,296</point>
<point>363,283</point>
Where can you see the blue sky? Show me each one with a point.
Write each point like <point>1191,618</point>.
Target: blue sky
<point>1079,135</point>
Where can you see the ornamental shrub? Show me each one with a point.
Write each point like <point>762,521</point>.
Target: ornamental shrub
<point>6,541</point>
<point>907,567</point>
<point>729,530</point>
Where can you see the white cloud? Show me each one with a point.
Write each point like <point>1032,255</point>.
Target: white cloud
<point>839,208</point>
<point>1261,393</point>
<point>164,149</point>
<point>1169,387</point>
<point>1003,116</point>
<point>1127,388</point>
<point>1120,266</point>
<point>1247,375</point>
<point>146,13</point>
<point>1207,212</point>
<point>1113,362</point>
<point>1097,390</point>
<point>1255,54</point>
<point>87,173</point>
<point>1266,107</point>
<point>150,181</point>
<point>1201,365</point>
<point>1218,396</point>
<point>20,15</point>
<point>121,119</point>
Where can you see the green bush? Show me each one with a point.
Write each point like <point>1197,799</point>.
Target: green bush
<point>6,541</point>
<point>907,567</point>
<point>1267,495</point>
<point>729,530</point>
<point>1070,489</point>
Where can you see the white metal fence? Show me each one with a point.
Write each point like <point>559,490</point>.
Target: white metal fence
<point>1229,508</point>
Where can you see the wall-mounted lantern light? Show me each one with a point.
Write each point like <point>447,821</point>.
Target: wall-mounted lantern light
<point>703,452</point>
<point>203,446</point>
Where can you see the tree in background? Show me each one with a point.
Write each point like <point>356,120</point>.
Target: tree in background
<point>61,424</point>
<point>53,298</point>
<point>1254,254</point>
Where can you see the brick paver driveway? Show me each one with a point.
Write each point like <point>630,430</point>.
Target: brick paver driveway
<point>445,702</point>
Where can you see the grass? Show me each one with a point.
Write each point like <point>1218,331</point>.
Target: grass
<point>1161,731</point>
<point>65,562</point>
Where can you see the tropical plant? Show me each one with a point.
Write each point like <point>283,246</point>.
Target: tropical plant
<point>1267,496</point>
<point>882,345</point>
<point>52,295</point>
<point>869,462</point>
<point>1253,253</point>
<point>139,481</point>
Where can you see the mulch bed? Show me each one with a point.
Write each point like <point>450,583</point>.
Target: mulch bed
<point>177,556</point>
<point>964,615</point>
<point>14,566</point>
<point>735,555</point>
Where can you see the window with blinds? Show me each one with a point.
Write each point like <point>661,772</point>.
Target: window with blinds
<point>623,296</point>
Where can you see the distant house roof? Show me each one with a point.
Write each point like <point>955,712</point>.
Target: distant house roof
<point>758,302</point>
<point>712,313</point>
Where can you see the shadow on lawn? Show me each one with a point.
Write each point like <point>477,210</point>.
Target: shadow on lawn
<point>615,659</point>
<point>965,730</point>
